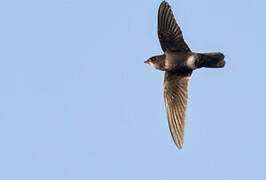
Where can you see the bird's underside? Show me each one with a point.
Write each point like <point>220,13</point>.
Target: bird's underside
<point>178,62</point>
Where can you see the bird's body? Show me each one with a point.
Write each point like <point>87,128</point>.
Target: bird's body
<point>178,62</point>
<point>170,61</point>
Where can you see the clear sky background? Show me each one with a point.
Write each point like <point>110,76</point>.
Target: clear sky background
<point>77,101</point>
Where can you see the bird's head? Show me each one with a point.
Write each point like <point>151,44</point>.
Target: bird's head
<point>157,62</point>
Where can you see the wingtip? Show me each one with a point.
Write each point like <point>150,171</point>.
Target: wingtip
<point>178,142</point>
<point>164,2</point>
<point>179,146</point>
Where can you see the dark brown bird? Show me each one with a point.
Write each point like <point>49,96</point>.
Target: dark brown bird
<point>178,62</point>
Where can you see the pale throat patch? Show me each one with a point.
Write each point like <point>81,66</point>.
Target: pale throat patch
<point>191,62</point>
<point>153,65</point>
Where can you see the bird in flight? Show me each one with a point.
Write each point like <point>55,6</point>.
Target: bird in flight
<point>178,62</point>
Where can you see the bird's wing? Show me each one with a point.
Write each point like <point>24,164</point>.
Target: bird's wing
<point>170,35</point>
<point>175,97</point>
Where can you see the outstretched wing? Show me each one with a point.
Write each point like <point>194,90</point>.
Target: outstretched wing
<point>170,35</point>
<point>175,97</point>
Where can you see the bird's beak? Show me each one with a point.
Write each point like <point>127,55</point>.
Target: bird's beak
<point>147,62</point>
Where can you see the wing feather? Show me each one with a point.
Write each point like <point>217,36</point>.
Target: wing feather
<point>170,35</point>
<point>176,96</point>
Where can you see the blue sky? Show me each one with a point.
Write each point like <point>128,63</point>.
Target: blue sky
<point>77,101</point>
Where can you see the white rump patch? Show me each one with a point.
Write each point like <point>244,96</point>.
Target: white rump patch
<point>191,62</point>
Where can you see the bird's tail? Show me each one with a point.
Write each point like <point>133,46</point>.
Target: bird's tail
<point>212,60</point>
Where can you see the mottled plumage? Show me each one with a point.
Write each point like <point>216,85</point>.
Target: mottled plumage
<point>178,62</point>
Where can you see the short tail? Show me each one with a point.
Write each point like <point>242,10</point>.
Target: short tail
<point>212,60</point>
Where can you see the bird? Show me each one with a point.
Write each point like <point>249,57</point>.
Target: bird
<point>178,62</point>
